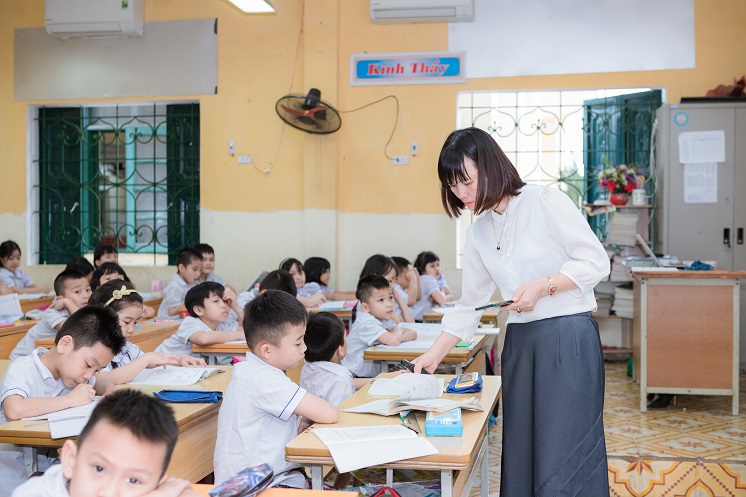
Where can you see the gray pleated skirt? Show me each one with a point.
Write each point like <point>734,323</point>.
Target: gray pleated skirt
<point>553,396</point>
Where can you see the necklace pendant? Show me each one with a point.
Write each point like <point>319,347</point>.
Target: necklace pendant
<point>498,245</point>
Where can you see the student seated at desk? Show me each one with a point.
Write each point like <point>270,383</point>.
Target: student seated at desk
<point>81,265</point>
<point>279,279</point>
<point>376,305</point>
<point>123,450</point>
<point>208,264</point>
<point>296,270</point>
<point>428,265</point>
<point>51,380</point>
<point>16,279</point>
<point>326,345</point>
<point>262,406</point>
<point>318,272</point>
<point>121,297</point>
<point>188,269</point>
<point>105,253</point>
<point>407,283</point>
<point>109,271</point>
<point>385,266</point>
<point>209,305</point>
<point>73,292</point>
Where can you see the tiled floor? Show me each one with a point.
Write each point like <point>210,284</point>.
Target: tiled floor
<point>694,449</point>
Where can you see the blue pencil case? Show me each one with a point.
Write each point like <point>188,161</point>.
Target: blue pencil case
<point>465,383</point>
<point>189,396</point>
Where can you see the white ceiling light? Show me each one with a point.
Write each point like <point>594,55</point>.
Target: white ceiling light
<point>253,6</point>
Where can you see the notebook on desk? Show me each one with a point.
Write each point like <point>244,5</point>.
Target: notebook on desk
<point>649,252</point>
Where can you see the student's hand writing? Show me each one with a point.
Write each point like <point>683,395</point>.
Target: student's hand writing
<point>187,361</point>
<point>173,487</point>
<point>161,359</point>
<point>81,395</point>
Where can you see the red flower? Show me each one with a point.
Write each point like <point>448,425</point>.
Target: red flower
<point>629,187</point>
<point>612,185</point>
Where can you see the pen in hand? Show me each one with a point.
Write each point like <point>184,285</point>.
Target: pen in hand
<point>494,304</point>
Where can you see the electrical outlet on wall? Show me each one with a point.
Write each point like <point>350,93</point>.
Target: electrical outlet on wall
<point>400,160</point>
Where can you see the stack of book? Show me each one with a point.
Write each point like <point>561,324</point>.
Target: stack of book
<point>622,229</point>
<point>623,305</point>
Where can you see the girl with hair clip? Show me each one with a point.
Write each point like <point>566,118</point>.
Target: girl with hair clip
<point>122,298</point>
<point>296,270</point>
<point>109,271</point>
<point>383,265</point>
<point>17,280</point>
<point>318,273</point>
<point>428,265</point>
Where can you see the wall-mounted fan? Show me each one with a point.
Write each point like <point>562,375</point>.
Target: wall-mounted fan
<point>309,113</point>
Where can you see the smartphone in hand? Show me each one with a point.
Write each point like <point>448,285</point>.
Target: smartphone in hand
<point>410,366</point>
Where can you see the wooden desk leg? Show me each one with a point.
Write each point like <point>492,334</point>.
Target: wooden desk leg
<point>390,477</point>
<point>317,479</point>
<point>446,483</point>
<point>384,366</point>
<point>459,368</point>
<point>484,476</point>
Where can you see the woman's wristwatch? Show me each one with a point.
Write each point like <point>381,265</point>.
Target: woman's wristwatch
<point>552,287</point>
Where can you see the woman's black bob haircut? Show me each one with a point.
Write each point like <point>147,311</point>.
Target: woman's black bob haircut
<point>497,177</point>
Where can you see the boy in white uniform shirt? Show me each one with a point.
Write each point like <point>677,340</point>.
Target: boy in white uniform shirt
<point>188,270</point>
<point>123,450</point>
<point>262,406</point>
<point>73,292</point>
<point>323,374</point>
<point>209,306</point>
<point>51,380</point>
<point>208,264</point>
<point>376,305</point>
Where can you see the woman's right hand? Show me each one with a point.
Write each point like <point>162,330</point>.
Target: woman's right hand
<point>427,361</point>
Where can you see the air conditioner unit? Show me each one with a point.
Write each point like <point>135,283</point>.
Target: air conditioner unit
<point>385,11</point>
<point>94,18</point>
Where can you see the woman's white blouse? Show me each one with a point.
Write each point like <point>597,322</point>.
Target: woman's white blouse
<point>542,233</point>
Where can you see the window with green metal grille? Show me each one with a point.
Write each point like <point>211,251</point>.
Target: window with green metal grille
<point>123,175</point>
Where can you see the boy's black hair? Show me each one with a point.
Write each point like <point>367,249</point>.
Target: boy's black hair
<point>423,259</point>
<point>186,256</point>
<point>102,250</point>
<point>279,279</point>
<point>105,292</point>
<point>81,265</point>
<point>401,263</point>
<point>267,317</point>
<point>7,248</point>
<point>325,333</point>
<point>288,264</point>
<point>204,248</point>
<point>197,295</point>
<point>368,283</point>
<point>90,325</point>
<point>147,418</point>
<point>61,280</point>
<point>315,267</point>
<point>378,264</point>
<point>107,268</point>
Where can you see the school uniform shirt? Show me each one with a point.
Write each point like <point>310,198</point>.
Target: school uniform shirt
<point>328,380</point>
<point>173,294</point>
<point>43,329</point>
<point>388,324</point>
<point>256,420</point>
<point>304,291</point>
<point>364,333</point>
<point>429,285</point>
<point>245,297</point>
<point>51,484</point>
<point>214,277</point>
<point>442,281</point>
<point>20,278</point>
<point>179,343</point>
<point>29,378</point>
<point>129,353</point>
<point>542,234</point>
<point>313,288</point>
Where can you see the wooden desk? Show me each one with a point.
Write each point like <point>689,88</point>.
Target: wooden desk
<point>686,333</point>
<point>216,351</point>
<point>28,304</point>
<point>457,459</point>
<point>198,426</point>
<point>11,335</point>
<point>148,338</point>
<point>488,317</point>
<point>154,302</point>
<point>466,359</point>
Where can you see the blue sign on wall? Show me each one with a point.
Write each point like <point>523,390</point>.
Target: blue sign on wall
<point>407,68</point>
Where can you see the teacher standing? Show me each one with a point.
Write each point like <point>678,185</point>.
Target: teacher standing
<point>533,244</point>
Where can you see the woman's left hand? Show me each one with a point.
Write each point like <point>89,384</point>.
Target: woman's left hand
<point>525,298</point>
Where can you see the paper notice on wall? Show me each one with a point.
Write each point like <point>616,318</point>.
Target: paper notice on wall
<point>700,183</point>
<point>702,147</point>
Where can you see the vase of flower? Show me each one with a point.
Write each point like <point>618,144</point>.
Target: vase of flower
<point>619,198</point>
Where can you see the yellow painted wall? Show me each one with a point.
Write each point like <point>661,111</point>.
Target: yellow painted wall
<point>309,44</point>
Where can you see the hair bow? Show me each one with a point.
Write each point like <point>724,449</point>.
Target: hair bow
<point>118,294</point>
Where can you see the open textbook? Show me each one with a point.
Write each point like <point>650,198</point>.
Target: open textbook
<point>358,447</point>
<point>173,375</point>
<point>417,392</point>
<point>67,422</point>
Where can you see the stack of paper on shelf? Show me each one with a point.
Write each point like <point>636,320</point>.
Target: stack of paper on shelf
<point>622,229</point>
<point>623,305</point>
